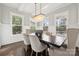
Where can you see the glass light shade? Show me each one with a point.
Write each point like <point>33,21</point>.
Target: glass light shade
<point>39,17</point>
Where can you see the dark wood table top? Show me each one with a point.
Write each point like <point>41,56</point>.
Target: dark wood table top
<point>53,40</point>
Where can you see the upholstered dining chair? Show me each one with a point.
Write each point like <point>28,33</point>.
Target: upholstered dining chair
<point>27,42</point>
<point>36,45</point>
<point>72,35</point>
<point>26,39</point>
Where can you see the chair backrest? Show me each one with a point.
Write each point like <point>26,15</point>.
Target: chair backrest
<point>35,43</point>
<point>39,33</point>
<point>28,31</point>
<point>72,35</point>
<point>26,39</point>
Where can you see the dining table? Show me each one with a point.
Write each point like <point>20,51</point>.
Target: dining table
<point>51,40</point>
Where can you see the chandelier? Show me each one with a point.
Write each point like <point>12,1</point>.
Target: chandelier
<point>38,17</point>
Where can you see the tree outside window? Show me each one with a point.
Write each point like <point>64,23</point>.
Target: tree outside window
<point>45,25</point>
<point>61,25</point>
<point>16,24</point>
<point>33,28</point>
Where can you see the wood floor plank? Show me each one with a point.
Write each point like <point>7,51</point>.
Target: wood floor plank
<point>18,49</point>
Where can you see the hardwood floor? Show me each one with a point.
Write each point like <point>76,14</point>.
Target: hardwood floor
<point>12,49</point>
<point>18,49</point>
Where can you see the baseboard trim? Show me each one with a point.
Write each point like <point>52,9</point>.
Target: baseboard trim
<point>10,44</point>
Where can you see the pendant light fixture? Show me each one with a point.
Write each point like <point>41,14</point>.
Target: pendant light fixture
<point>38,17</point>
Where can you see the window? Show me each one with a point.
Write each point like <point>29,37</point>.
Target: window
<point>60,25</point>
<point>45,25</point>
<point>33,28</point>
<point>45,22</point>
<point>16,24</point>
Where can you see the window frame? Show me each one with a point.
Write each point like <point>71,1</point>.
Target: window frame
<point>16,14</point>
<point>61,18</point>
<point>64,14</point>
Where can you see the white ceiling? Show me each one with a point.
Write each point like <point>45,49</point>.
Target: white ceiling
<point>30,7</point>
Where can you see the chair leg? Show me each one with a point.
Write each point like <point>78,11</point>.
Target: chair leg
<point>31,52</point>
<point>36,53</point>
<point>41,53</point>
<point>47,54</point>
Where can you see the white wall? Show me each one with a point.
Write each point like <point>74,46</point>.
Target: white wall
<point>51,26</point>
<point>78,26</point>
<point>0,34</point>
<point>6,28</point>
<point>6,31</point>
<point>71,12</point>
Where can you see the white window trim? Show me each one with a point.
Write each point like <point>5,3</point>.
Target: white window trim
<point>17,14</point>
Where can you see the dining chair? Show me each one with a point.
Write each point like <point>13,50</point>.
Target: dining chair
<point>36,45</point>
<point>27,42</point>
<point>26,39</point>
<point>72,35</point>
